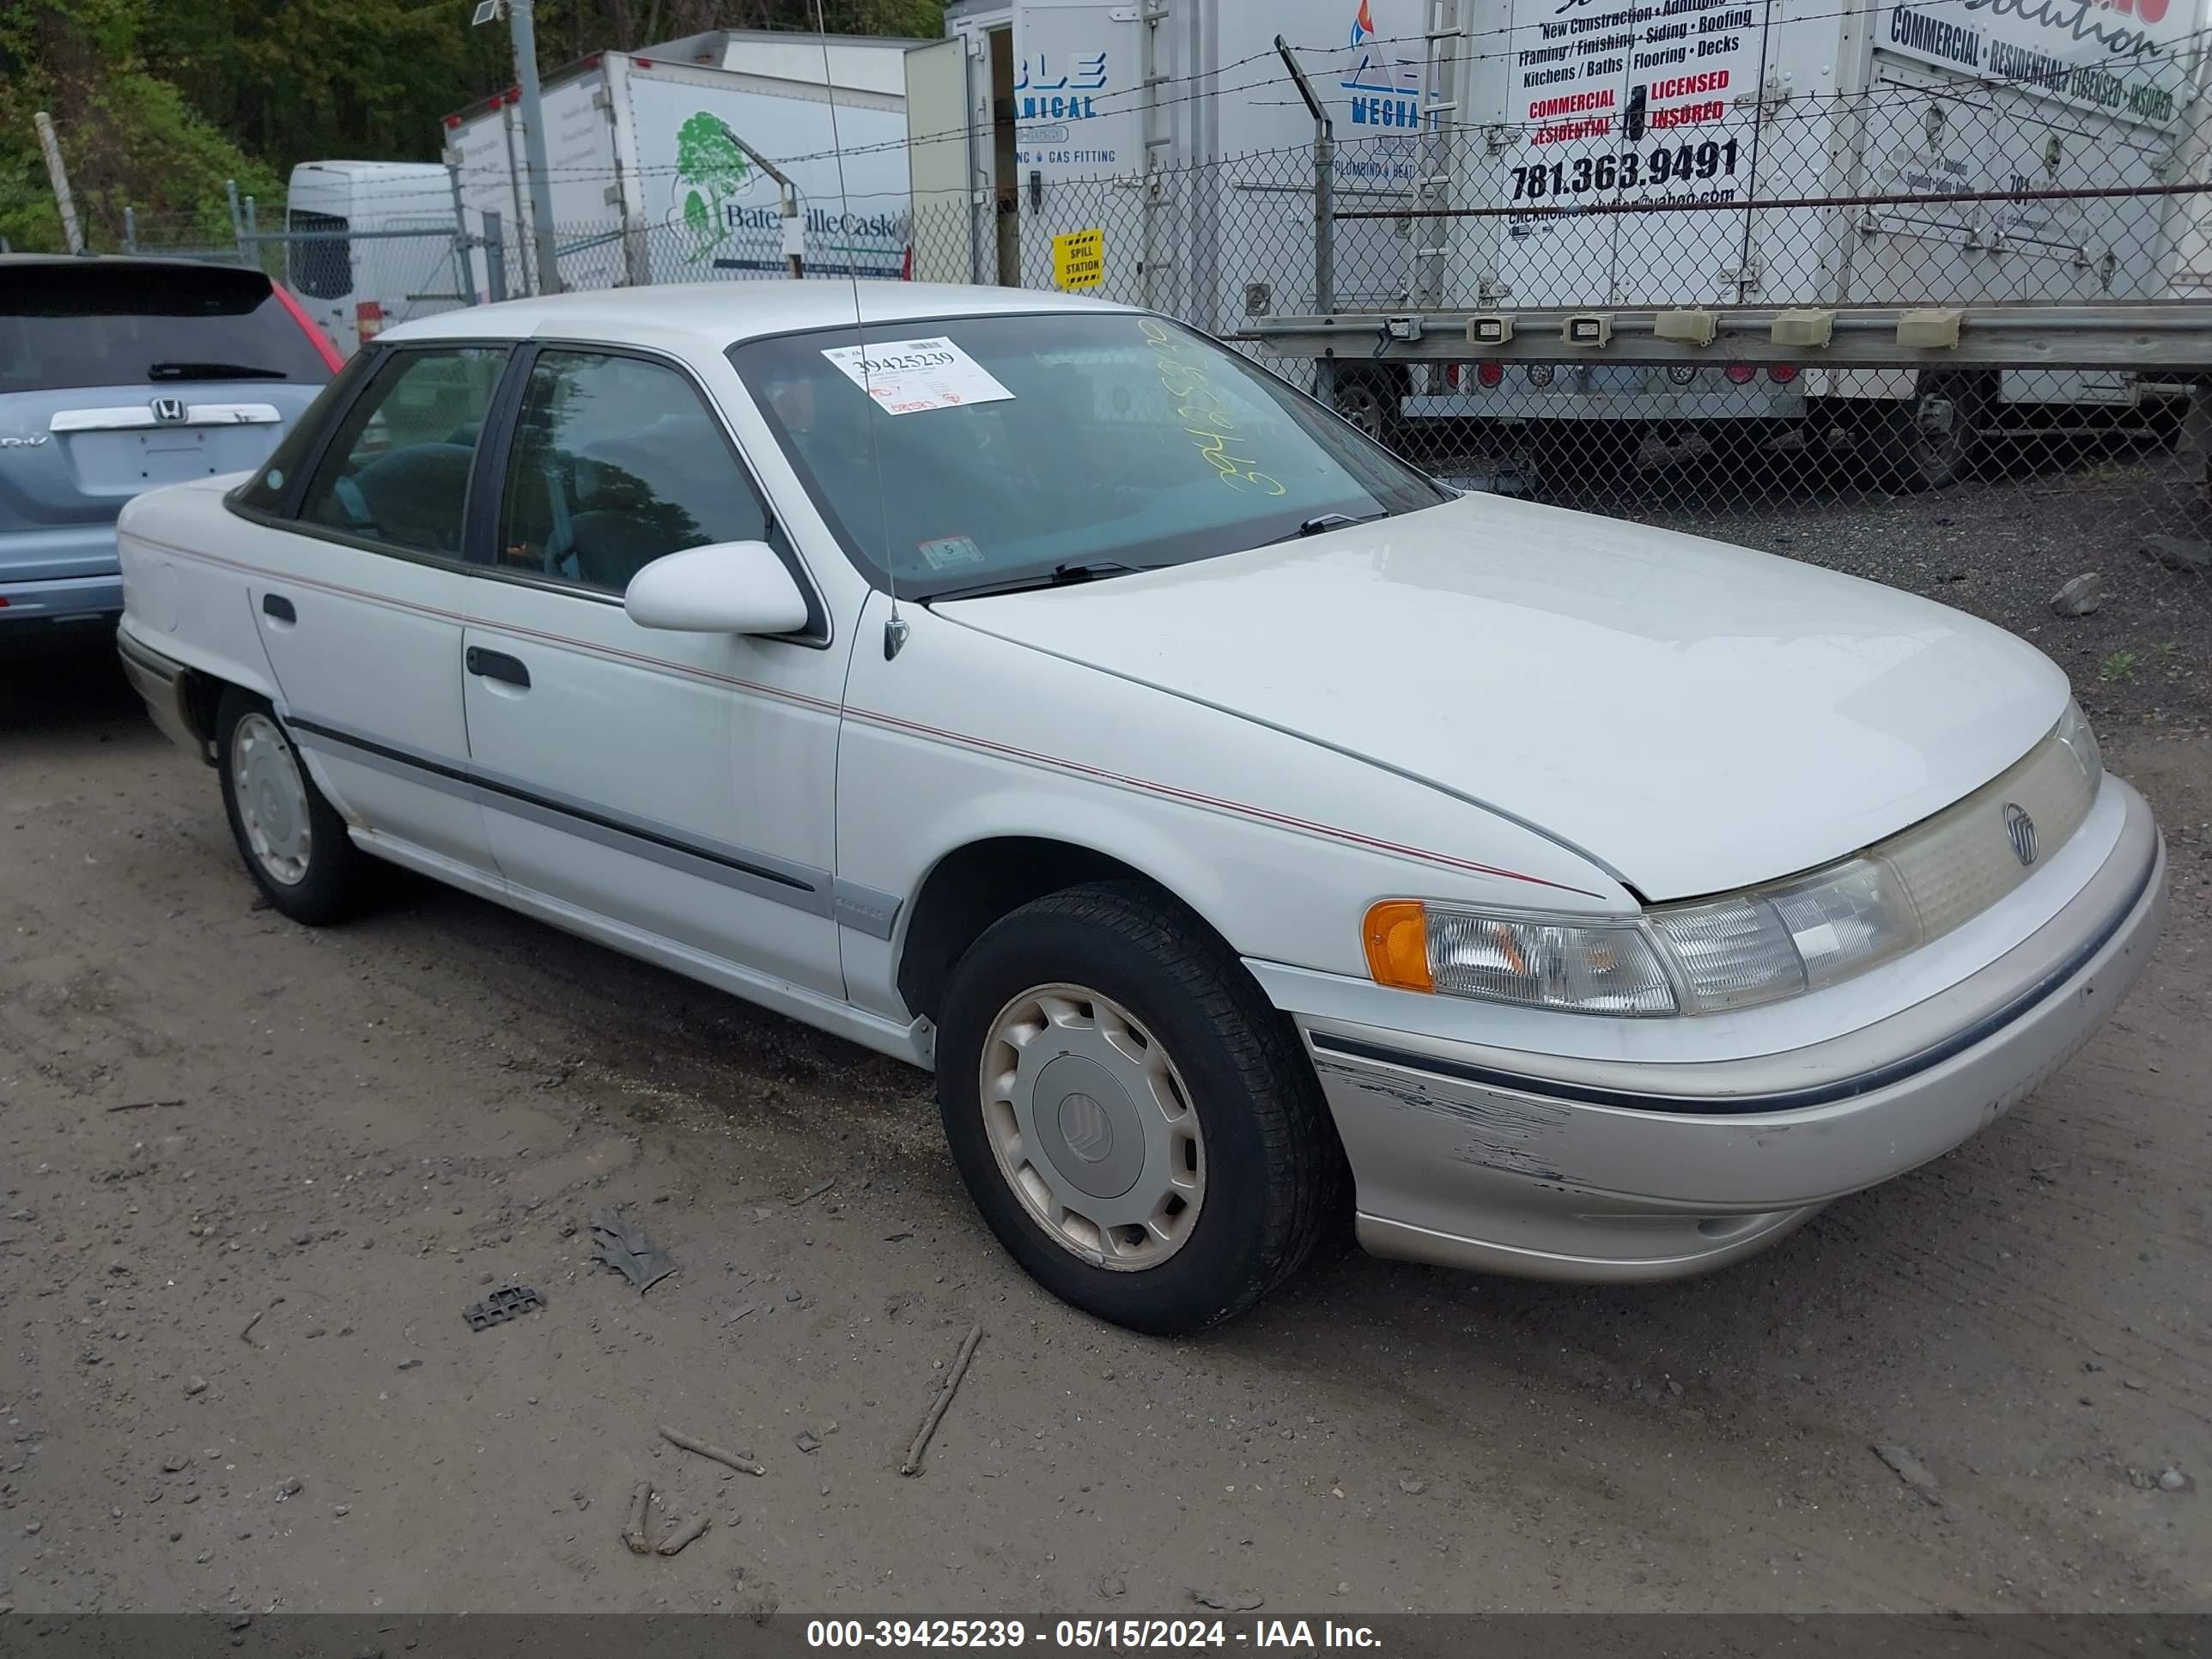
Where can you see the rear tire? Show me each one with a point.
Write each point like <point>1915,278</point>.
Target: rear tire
<point>292,841</point>
<point>1921,460</point>
<point>1133,1118</point>
<point>1368,398</point>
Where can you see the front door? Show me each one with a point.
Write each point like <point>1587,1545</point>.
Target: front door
<point>678,784</point>
<point>360,607</point>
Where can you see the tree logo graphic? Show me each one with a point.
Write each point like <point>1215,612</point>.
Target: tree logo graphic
<point>713,168</point>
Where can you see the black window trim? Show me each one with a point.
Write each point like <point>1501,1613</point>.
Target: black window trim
<point>821,629</point>
<point>487,477</point>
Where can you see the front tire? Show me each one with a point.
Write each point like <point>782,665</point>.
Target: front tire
<point>1132,1117</point>
<point>292,841</point>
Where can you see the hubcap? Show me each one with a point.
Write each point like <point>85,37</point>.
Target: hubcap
<point>272,800</point>
<point>1092,1127</point>
<point>1360,407</point>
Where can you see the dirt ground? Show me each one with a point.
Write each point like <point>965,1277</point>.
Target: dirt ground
<point>253,1173</point>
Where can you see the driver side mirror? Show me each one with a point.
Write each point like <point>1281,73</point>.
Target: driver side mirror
<point>725,587</point>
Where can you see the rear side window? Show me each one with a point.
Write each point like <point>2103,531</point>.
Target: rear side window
<point>397,469</point>
<point>70,322</point>
<point>322,268</point>
<point>267,490</point>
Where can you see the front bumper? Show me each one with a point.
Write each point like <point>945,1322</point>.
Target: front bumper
<point>1619,1170</point>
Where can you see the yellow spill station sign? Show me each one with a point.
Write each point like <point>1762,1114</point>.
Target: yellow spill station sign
<point>1079,259</point>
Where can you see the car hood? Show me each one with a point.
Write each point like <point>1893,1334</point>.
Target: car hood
<point>1692,716</point>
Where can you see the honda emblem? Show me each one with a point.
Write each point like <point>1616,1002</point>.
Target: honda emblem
<point>169,411</point>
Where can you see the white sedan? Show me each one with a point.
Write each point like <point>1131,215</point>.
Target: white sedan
<point>1246,828</point>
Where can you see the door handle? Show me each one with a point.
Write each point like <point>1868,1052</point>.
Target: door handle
<point>278,606</point>
<point>496,665</point>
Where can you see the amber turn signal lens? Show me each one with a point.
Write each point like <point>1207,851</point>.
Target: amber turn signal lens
<point>1396,935</point>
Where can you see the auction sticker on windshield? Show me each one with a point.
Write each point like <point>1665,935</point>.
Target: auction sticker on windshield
<point>906,377</point>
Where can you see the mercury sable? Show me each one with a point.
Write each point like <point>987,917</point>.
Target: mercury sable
<point>1244,827</point>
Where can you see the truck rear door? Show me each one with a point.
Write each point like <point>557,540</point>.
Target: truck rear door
<point>1615,105</point>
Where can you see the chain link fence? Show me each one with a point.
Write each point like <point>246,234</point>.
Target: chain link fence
<point>1993,488</point>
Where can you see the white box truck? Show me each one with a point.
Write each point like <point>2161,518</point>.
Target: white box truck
<point>376,244</point>
<point>1538,104</point>
<point>646,187</point>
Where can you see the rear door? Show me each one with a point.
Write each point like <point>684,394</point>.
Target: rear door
<point>117,377</point>
<point>1612,108</point>
<point>358,588</point>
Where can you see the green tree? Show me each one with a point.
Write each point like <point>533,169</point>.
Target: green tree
<point>709,162</point>
<point>160,101</point>
<point>128,137</point>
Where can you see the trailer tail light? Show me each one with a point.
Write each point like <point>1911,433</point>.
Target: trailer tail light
<point>333,359</point>
<point>1782,373</point>
<point>1540,374</point>
<point>1489,374</point>
<point>1742,373</point>
<point>369,320</point>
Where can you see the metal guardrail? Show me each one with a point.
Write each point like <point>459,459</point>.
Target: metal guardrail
<point>2175,335</point>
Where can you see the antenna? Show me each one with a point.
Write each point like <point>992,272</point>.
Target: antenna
<point>894,629</point>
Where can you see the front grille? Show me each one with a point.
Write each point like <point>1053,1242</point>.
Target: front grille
<point>1960,862</point>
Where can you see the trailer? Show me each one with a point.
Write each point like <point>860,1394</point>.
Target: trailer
<point>1587,153</point>
<point>650,180</point>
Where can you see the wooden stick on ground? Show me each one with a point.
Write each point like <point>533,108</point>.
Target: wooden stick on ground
<point>741,1461</point>
<point>683,1534</point>
<point>913,1464</point>
<point>633,1533</point>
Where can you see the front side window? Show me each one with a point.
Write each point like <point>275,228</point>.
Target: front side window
<point>398,471</point>
<point>1001,449</point>
<point>616,462</point>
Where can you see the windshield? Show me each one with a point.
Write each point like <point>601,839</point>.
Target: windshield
<point>1010,447</point>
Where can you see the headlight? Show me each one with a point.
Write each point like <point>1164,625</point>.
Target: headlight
<point>1779,941</point>
<point>1534,962</point>
<point>1782,939</point>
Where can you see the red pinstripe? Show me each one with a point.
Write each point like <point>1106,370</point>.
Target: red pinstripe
<point>891,722</point>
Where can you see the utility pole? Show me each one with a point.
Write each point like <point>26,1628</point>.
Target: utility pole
<point>533,145</point>
<point>71,233</point>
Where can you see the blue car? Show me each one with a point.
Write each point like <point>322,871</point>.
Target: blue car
<point>117,375</point>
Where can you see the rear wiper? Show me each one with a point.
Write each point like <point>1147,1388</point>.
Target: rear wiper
<point>1324,521</point>
<point>1060,575</point>
<point>213,372</point>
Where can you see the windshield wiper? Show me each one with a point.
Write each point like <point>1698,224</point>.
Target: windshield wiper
<point>1060,575</point>
<point>1325,521</point>
<point>213,372</point>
